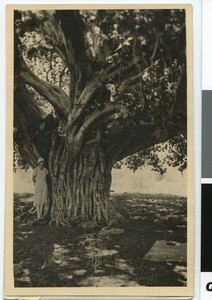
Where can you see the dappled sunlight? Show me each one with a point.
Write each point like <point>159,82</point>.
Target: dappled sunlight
<point>151,239</point>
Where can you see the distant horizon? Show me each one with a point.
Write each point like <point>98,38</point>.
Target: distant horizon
<point>124,180</point>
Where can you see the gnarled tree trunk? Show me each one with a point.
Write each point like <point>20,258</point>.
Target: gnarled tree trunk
<point>80,187</point>
<point>109,110</point>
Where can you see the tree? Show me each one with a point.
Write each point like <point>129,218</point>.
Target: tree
<point>114,85</point>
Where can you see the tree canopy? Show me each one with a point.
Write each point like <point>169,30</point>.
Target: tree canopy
<point>113,76</point>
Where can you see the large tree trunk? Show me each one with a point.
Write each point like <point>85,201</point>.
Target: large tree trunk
<point>80,185</point>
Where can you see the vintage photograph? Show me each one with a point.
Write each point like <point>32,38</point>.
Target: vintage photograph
<point>101,131</point>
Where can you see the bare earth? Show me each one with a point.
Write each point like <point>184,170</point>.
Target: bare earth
<point>147,248</point>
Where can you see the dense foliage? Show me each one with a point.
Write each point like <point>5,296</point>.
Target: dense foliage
<point>139,57</point>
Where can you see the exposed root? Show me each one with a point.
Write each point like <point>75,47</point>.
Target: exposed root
<point>29,214</point>
<point>65,223</point>
<point>60,222</point>
<point>52,222</point>
<point>31,211</point>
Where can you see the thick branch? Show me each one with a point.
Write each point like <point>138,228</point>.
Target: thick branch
<point>86,96</point>
<point>135,78</point>
<point>30,112</point>
<point>26,149</point>
<point>76,44</point>
<point>26,121</point>
<point>98,116</point>
<point>125,141</point>
<point>54,95</point>
<point>101,79</point>
<point>33,133</point>
<point>93,120</point>
<point>50,27</point>
<point>98,81</point>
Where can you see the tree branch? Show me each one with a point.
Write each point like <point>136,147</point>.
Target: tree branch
<point>61,76</point>
<point>31,113</point>
<point>92,121</point>
<point>76,44</point>
<point>86,96</point>
<point>54,95</point>
<point>124,142</point>
<point>26,121</point>
<point>155,48</point>
<point>26,149</point>
<point>93,86</point>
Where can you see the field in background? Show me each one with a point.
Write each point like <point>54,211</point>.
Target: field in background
<point>124,180</point>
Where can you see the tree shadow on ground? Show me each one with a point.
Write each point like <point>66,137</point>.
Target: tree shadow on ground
<point>47,256</point>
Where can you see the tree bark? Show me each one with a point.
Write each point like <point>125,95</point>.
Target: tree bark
<point>79,164</point>
<point>80,187</point>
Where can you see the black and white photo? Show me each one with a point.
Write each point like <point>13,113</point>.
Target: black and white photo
<point>101,148</point>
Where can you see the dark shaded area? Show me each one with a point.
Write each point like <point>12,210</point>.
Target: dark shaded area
<point>25,110</point>
<point>47,256</point>
<point>43,136</point>
<point>206,229</point>
<point>74,29</point>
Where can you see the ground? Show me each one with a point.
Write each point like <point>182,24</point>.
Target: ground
<point>130,253</point>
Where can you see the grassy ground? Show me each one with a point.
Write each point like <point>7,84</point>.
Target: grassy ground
<point>80,256</point>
